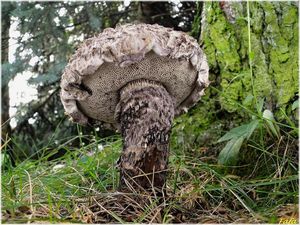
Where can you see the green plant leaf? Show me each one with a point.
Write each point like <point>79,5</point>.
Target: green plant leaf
<point>270,123</point>
<point>245,131</point>
<point>251,128</point>
<point>2,158</point>
<point>5,160</point>
<point>260,104</point>
<point>229,154</point>
<point>291,123</point>
<point>234,133</point>
<point>295,104</point>
<point>248,99</point>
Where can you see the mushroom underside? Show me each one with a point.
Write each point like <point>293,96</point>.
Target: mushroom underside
<point>176,75</point>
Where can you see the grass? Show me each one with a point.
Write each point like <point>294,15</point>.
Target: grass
<point>80,173</point>
<point>81,186</point>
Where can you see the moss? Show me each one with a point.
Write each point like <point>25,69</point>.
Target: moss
<point>231,90</point>
<point>188,129</point>
<point>283,46</point>
<point>289,15</point>
<point>210,53</point>
<point>257,16</point>
<point>274,41</point>
<point>263,84</point>
<point>225,44</point>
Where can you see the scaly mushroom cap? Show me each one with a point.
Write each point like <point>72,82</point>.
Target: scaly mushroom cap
<point>102,65</point>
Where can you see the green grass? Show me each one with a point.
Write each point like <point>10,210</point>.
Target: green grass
<point>82,186</point>
<point>79,173</point>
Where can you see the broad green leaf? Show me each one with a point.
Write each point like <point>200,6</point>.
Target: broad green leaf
<point>251,128</point>
<point>234,133</point>
<point>295,104</point>
<point>229,154</point>
<point>270,122</point>
<point>245,131</point>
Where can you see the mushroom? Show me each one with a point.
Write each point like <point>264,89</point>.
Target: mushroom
<point>136,77</point>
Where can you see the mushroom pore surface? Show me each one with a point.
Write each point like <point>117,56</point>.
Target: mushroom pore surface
<point>177,76</point>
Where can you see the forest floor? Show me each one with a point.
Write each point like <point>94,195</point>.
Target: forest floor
<point>81,187</point>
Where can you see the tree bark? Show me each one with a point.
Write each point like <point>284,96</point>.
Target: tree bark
<point>7,7</point>
<point>273,36</point>
<point>145,113</point>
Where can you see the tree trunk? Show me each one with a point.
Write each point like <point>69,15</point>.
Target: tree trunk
<point>145,113</point>
<point>274,52</point>
<point>7,7</point>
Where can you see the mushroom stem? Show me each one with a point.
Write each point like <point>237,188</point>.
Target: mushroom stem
<point>145,113</point>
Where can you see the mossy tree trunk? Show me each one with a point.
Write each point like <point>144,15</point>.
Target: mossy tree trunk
<point>274,53</point>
